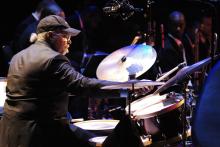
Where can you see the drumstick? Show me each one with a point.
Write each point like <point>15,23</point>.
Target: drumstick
<point>181,65</point>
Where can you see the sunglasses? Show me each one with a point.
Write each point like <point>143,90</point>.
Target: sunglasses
<point>66,36</point>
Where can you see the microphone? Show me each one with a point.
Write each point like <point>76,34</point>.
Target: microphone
<point>115,6</point>
<point>136,9</point>
<point>130,7</point>
<point>111,9</point>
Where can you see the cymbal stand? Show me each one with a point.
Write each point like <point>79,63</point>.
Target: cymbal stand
<point>131,94</point>
<point>184,122</point>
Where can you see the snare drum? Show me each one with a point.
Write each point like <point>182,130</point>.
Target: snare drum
<point>146,101</point>
<point>99,127</point>
<point>161,104</point>
<point>160,115</point>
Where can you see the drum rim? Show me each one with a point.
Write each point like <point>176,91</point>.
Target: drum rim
<point>162,111</point>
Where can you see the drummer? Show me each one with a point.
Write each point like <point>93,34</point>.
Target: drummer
<point>38,82</point>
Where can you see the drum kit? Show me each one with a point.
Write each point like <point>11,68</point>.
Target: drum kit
<point>166,111</point>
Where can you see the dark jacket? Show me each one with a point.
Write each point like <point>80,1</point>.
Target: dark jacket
<point>171,55</point>
<point>38,84</point>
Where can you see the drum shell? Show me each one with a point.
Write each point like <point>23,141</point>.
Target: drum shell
<point>162,119</point>
<point>164,126</point>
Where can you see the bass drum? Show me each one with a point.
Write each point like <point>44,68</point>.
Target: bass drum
<point>161,118</point>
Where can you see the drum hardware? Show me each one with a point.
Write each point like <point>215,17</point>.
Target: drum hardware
<point>184,121</point>
<point>117,113</point>
<point>131,85</point>
<point>136,83</point>
<point>181,76</point>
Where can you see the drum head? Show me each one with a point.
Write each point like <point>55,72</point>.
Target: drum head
<point>99,127</point>
<point>146,102</point>
<point>97,141</point>
<point>159,108</point>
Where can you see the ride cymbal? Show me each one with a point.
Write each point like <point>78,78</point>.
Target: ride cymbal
<point>130,60</point>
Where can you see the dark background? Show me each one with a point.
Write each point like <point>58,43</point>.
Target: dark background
<point>119,32</point>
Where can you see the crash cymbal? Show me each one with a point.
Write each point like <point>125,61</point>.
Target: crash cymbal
<point>184,72</point>
<point>136,83</point>
<point>130,60</point>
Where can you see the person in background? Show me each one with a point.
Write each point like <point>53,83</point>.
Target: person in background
<point>205,35</point>
<point>177,45</point>
<point>33,17</point>
<point>39,81</point>
<point>22,36</point>
<point>203,41</point>
<point>27,36</point>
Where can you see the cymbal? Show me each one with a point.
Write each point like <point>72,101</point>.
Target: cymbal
<point>129,60</point>
<point>184,72</point>
<point>136,83</point>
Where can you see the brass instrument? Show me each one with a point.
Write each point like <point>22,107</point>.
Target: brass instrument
<point>199,76</point>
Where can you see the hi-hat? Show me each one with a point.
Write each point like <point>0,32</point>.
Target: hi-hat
<point>129,84</point>
<point>130,60</point>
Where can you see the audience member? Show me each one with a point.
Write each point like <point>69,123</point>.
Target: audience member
<point>27,36</point>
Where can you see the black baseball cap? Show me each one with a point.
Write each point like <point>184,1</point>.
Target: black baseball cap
<point>53,22</point>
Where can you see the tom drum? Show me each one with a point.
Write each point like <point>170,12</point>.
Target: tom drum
<point>159,115</point>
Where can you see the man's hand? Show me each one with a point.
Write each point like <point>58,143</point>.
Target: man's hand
<point>142,91</point>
